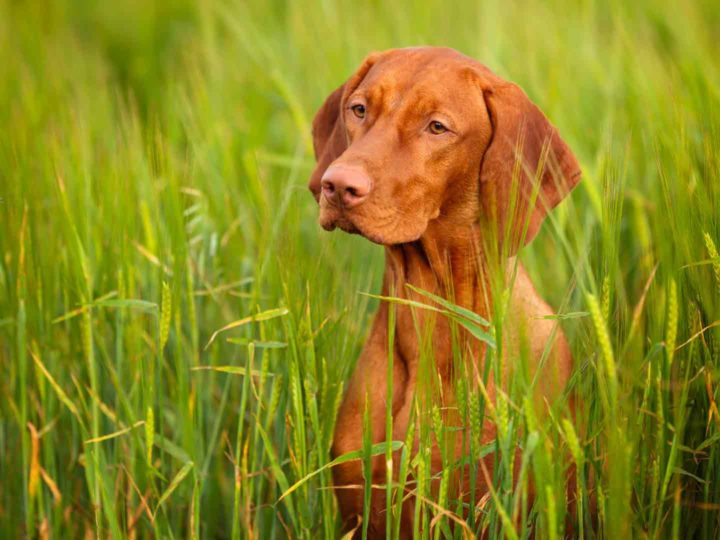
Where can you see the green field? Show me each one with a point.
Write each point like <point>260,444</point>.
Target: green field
<point>153,167</point>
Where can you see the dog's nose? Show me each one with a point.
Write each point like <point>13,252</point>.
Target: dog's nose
<point>346,185</point>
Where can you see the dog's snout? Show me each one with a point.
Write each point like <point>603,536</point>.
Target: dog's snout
<point>348,186</point>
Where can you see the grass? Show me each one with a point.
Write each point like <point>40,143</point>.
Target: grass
<point>153,161</point>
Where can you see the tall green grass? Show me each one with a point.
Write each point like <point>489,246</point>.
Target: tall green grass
<point>153,161</point>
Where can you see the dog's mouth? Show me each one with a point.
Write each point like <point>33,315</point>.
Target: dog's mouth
<point>342,223</point>
<point>333,217</point>
<point>382,230</point>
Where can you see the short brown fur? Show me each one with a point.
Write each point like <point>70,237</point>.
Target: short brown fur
<point>448,207</point>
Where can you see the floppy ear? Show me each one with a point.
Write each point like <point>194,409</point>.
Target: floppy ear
<point>527,168</point>
<point>328,129</point>
<point>329,139</point>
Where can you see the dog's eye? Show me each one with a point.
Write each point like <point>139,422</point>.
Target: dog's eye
<point>436,128</point>
<point>358,110</point>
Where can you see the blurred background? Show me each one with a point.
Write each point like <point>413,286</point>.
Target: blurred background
<point>153,165</point>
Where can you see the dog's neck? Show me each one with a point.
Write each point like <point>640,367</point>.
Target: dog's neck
<point>447,261</point>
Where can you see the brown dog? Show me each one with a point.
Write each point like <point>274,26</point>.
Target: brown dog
<point>428,153</point>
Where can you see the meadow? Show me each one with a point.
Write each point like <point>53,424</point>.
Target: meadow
<point>153,166</point>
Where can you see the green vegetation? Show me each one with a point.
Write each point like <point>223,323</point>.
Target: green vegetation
<point>153,162</point>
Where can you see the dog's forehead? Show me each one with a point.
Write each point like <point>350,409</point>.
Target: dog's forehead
<point>432,75</point>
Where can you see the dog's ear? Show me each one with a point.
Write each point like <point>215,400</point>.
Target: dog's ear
<point>527,169</point>
<point>328,129</point>
<point>329,138</point>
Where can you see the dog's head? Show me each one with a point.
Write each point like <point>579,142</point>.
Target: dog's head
<point>426,133</point>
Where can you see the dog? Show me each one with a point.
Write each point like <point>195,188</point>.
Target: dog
<point>428,153</point>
